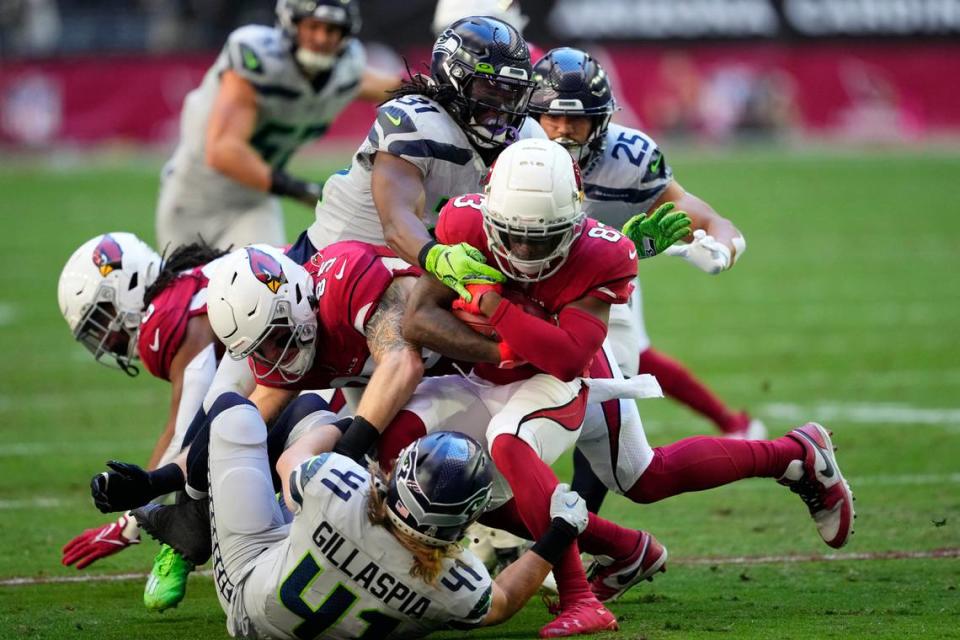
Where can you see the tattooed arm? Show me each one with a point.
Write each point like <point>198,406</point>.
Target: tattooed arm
<point>399,364</point>
<point>429,323</point>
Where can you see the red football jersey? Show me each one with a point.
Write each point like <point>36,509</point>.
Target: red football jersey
<point>350,278</point>
<point>602,263</point>
<point>164,324</point>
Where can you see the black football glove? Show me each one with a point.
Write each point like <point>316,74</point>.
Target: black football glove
<point>127,486</point>
<point>283,184</point>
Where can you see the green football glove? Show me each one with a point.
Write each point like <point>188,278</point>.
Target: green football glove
<point>653,234</point>
<point>459,265</point>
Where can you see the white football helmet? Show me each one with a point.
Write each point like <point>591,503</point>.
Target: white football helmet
<point>532,211</point>
<point>101,295</point>
<point>449,11</point>
<point>261,305</point>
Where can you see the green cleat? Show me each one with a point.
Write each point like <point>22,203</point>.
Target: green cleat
<point>167,584</point>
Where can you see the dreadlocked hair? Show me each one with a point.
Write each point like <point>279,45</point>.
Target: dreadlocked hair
<point>421,84</point>
<point>427,560</point>
<point>187,256</point>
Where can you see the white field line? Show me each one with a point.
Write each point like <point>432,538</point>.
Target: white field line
<point>8,313</point>
<point>106,447</point>
<point>862,413</point>
<point>32,503</point>
<point>70,398</point>
<point>875,380</point>
<point>818,557</point>
<point>694,561</point>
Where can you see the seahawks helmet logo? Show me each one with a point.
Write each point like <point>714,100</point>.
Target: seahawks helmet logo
<point>266,269</point>
<point>107,255</point>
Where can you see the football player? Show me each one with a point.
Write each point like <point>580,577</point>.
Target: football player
<point>526,399</point>
<point>123,303</point>
<point>366,556</point>
<point>624,171</point>
<point>529,222</point>
<point>271,90</point>
<point>434,140</point>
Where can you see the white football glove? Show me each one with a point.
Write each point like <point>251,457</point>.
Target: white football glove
<point>567,505</point>
<point>704,252</point>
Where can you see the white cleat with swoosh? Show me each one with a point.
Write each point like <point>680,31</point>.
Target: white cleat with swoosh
<point>821,486</point>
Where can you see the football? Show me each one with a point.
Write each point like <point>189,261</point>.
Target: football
<point>481,324</point>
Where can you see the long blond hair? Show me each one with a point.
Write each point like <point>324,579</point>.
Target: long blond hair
<point>427,560</point>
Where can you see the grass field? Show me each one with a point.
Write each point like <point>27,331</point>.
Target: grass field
<point>845,309</point>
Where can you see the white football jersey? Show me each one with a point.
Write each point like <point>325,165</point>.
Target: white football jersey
<point>626,179</point>
<point>291,111</point>
<point>420,131</point>
<point>339,577</point>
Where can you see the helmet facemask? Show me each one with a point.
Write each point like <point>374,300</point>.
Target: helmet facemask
<point>285,348</point>
<point>493,108</point>
<point>545,248</point>
<point>106,330</point>
<point>583,153</point>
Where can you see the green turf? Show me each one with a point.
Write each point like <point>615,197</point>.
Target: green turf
<point>847,304</point>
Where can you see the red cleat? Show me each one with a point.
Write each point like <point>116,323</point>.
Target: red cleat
<point>588,616</point>
<point>610,578</point>
<point>819,483</point>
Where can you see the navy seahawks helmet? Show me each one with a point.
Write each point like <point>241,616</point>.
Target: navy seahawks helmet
<point>485,64</point>
<point>440,486</point>
<point>571,83</point>
<point>344,13</point>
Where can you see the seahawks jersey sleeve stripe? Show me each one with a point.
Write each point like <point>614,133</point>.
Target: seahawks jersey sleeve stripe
<point>430,149</point>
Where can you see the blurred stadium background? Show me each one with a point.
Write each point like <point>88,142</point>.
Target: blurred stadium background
<point>826,129</point>
<point>105,72</point>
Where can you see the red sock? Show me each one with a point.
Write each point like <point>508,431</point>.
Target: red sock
<point>533,483</point>
<point>702,462</point>
<point>602,537</point>
<point>403,430</point>
<point>681,385</point>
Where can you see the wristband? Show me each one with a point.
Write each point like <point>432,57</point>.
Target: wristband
<point>422,255</point>
<point>343,424</point>
<point>357,440</point>
<point>166,479</point>
<point>555,541</point>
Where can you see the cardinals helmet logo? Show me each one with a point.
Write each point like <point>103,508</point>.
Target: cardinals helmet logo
<point>108,255</point>
<point>267,269</point>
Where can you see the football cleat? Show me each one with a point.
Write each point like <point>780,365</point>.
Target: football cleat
<point>821,486</point>
<point>167,583</point>
<point>610,578</point>
<point>588,616</point>
<point>185,527</point>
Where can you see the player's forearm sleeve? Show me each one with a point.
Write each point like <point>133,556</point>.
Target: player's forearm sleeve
<point>563,351</point>
<point>197,377</point>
